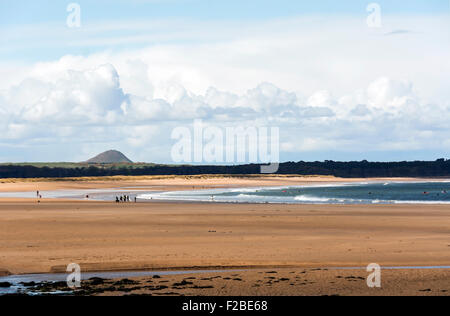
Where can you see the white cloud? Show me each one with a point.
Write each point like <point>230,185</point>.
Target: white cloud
<point>321,99</point>
<point>389,94</point>
<point>330,84</point>
<point>79,98</point>
<point>91,106</point>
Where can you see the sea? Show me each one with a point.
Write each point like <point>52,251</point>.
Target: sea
<point>345,193</point>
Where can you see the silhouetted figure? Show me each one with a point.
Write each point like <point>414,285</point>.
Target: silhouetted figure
<point>135,199</point>
<point>121,199</point>
<point>117,199</point>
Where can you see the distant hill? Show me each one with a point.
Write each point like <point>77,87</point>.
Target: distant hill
<point>110,156</point>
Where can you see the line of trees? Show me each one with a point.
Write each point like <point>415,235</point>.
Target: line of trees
<point>354,169</point>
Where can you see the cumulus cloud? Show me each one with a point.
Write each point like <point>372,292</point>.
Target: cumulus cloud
<point>92,106</point>
<point>357,93</point>
<point>388,94</point>
<point>80,98</point>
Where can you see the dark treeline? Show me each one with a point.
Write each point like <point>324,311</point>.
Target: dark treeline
<point>356,169</point>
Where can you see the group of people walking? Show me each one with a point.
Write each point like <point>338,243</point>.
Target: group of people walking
<point>119,199</point>
<point>124,198</point>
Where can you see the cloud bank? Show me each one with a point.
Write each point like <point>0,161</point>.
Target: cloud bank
<point>85,107</point>
<point>335,92</point>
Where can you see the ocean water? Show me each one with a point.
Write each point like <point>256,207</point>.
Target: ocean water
<point>354,193</point>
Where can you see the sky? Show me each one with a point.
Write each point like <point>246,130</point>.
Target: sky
<point>341,80</point>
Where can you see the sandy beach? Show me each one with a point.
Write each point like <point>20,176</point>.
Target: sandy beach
<point>101,236</point>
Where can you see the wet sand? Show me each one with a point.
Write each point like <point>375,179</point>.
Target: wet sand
<point>278,282</point>
<point>287,282</point>
<point>102,236</point>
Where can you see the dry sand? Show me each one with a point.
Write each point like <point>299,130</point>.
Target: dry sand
<point>36,238</point>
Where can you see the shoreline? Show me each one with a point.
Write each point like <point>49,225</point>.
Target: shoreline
<point>79,187</point>
<point>185,182</point>
<point>207,269</point>
<point>262,283</point>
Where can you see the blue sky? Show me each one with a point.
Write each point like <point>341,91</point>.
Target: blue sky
<point>20,13</point>
<point>135,70</point>
<point>32,11</point>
